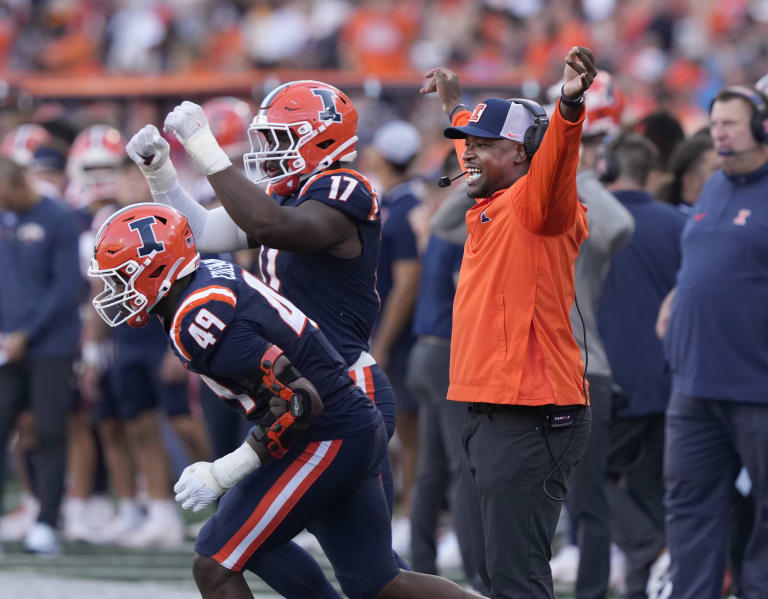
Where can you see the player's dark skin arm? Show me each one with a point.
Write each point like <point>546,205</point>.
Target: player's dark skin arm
<point>579,73</point>
<point>310,227</point>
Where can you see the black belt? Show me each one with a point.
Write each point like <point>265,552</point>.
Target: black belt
<point>488,408</point>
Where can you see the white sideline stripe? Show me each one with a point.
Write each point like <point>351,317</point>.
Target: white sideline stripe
<point>220,390</point>
<point>358,368</point>
<point>278,503</point>
<point>195,296</point>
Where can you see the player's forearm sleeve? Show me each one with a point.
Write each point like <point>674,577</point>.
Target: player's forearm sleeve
<point>214,230</point>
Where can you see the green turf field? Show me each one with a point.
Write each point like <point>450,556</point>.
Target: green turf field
<point>90,572</point>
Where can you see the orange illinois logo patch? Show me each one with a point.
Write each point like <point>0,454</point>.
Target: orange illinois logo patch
<point>477,113</point>
<point>741,217</point>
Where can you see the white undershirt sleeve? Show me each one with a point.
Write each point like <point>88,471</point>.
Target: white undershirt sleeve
<point>214,230</point>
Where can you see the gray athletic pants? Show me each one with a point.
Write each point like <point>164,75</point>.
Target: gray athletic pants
<point>519,466</point>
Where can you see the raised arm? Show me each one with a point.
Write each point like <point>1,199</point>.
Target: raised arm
<point>312,227</point>
<point>549,201</point>
<point>446,84</point>
<point>214,230</point>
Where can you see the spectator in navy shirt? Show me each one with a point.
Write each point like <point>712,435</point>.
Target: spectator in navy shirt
<point>716,342</point>
<point>641,275</point>
<point>392,150</point>
<point>39,328</point>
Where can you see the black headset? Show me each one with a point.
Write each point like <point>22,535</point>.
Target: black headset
<point>535,133</point>
<point>607,167</point>
<point>759,122</point>
<point>606,164</point>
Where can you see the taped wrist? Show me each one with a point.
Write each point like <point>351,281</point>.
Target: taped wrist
<point>205,151</point>
<point>160,178</point>
<point>228,470</point>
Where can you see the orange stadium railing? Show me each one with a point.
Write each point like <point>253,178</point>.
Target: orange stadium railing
<point>239,83</point>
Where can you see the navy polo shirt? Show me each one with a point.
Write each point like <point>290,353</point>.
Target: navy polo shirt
<point>434,308</point>
<point>641,275</point>
<point>41,277</point>
<point>397,241</point>
<point>717,340</point>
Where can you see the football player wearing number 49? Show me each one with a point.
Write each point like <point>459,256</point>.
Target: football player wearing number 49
<point>317,223</point>
<point>313,456</point>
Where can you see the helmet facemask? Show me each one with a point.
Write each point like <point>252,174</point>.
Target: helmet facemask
<point>120,301</point>
<point>283,146</point>
<point>277,146</point>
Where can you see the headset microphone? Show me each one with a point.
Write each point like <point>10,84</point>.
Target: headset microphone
<point>730,152</point>
<point>446,181</point>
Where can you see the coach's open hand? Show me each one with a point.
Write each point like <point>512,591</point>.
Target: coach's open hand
<point>446,83</point>
<point>579,73</point>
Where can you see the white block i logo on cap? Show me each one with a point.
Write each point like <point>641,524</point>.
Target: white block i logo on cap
<point>477,113</point>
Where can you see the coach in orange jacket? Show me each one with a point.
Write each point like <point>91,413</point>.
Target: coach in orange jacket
<point>513,356</point>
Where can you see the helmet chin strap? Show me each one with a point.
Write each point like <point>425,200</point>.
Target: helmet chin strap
<point>167,283</point>
<point>334,157</point>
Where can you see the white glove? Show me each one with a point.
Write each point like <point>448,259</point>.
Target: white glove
<point>189,124</point>
<point>202,482</point>
<point>197,487</point>
<point>150,151</point>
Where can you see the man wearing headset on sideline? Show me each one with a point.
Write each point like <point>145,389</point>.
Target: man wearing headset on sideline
<point>514,359</point>
<point>717,317</point>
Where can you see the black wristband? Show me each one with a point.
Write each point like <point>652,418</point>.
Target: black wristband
<point>572,102</point>
<point>454,109</point>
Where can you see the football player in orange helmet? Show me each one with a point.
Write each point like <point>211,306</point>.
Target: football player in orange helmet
<point>229,119</point>
<point>131,288</point>
<point>301,128</point>
<point>312,457</point>
<point>605,104</point>
<point>20,143</point>
<point>316,221</point>
<point>92,166</point>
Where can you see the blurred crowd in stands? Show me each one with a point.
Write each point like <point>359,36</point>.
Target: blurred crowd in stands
<point>667,53</point>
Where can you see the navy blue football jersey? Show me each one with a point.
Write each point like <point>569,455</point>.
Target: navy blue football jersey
<point>225,321</point>
<point>339,294</point>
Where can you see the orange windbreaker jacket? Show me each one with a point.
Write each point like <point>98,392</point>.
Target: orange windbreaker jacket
<point>516,285</point>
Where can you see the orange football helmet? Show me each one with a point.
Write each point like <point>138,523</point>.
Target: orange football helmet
<point>19,144</point>
<point>605,104</point>
<point>139,253</point>
<point>229,119</point>
<point>301,127</point>
<point>93,160</point>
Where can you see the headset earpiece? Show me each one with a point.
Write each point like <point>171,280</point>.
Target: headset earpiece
<point>535,133</point>
<point>607,165</point>
<point>758,125</point>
